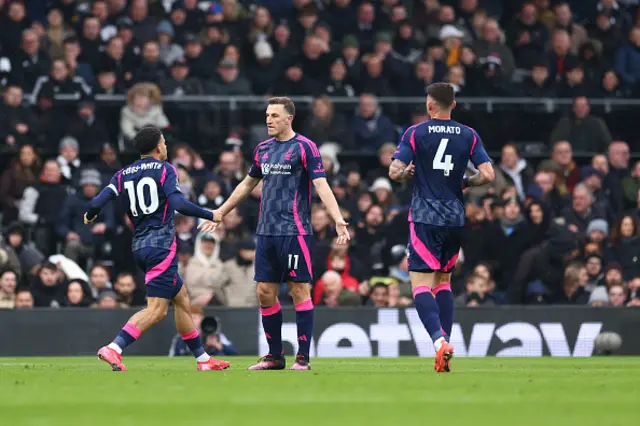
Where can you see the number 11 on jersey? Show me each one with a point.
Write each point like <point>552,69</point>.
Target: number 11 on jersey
<point>438,164</point>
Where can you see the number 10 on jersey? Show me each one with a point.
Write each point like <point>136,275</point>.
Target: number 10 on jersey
<point>438,163</point>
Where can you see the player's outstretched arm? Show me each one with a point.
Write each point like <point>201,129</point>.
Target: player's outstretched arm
<point>98,202</point>
<point>401,172</point>
<point>187,208</point>
<point>485,175</point>
<point>329,200</point>
<point>238,195</point>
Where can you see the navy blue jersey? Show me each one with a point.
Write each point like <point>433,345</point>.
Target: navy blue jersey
<point>440,151</point>
<point>287,170</point>
<point>144,188</point>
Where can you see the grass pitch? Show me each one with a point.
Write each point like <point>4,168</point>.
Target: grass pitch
<point>404,391</point>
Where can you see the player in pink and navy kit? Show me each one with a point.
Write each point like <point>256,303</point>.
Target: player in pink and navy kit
<point>437,153</point>
<point>290,166</point>
<point>149,192</point>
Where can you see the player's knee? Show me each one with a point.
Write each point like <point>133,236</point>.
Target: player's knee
<point>268,294</point>
<point>158,312</point>
<point>300,292</point>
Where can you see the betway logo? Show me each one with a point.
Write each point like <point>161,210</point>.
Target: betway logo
<point>343,340</point>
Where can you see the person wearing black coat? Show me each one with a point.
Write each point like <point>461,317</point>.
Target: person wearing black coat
<point>88,128</point>
<point>625,246</point>
<point>505,240</point>
<point>539,85</point>
<point>540,272</point>
<point>47,290</point>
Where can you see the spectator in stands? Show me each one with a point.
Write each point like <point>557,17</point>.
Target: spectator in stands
<point>582,211</point>
<point>107,300</point>
<point>560,54</point>
<point>267,68</point>
<point>24,299</point>
<point>340,261</point>
<point>627,59</point>
<point>492,41</point>
<point>60,82</point>
<point>99,280</point>
<point>631,186</point>
<point>326,125</point>
<point>609,35</point>
<point>169,51</point>
<point>379,295</point>
<point>77,295</point>
<point>625,246</point>
<point>143,108</point>
<point>368,240</point>
<point>235,232</point>
<point>8,284</point>
<point>573,290</point>
<point>204,273</point>
<point>47,290</point>
<point>128,293</point>
<point>69,160</point>
<point>617,295</point>
<point>77,67</point>
<point>539,84</point>
<point>29,255</point>
<point>515,169</point>
<point>21,173</point>
<point>527,36</point>
<point>30,62</point>
<point>476,292</point>
<point>152,69</point>
<point>238,289</point>
<point>371,127</point>
<point>562,165</point>
<point>84,241</point>
<point>88,127</point>
<point>14,21</point>
<point>179,82</point>
<point>564,20</point>
<point>334,294</point>
<point>17,122</point>
<point>573,85</point>
<point>90,40</point>
<point>584,131</point>
<point>595,271</point>
<point>617,15</point>
<point>610,86</point>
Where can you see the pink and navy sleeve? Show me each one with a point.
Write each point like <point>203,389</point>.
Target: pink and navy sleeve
<point>169,180</point>
<point>312,160</point>
<point>478,153</point>
<point>256,170</point>
<point>110,192</point>
<point>406,149</point>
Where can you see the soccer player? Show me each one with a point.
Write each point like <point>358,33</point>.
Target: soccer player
<point>287,164</point>
<point>150,193</point>
<point>437,151</point>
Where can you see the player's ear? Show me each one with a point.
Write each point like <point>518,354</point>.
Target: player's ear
<point>453,105</point>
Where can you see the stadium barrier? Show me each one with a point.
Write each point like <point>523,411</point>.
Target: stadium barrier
<point>342,332</point>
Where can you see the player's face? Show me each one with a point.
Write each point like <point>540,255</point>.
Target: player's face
<point>162,149</point>
<point>278,120</point>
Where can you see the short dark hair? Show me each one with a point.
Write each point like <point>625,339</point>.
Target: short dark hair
<point>442,93</point>
<point>285,102</point>
<point>147,139</point>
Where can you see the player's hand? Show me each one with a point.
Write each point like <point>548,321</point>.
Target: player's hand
<point>217,216</point>
<point>342,229</point>
<point>208,226</point>
<point>410,170</point>
<point>88,221</point>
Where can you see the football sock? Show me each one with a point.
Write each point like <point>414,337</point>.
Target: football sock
<point>428,312</point>
<point>444,299</point>
<point>192,340</point>
<point>129,334</point>
<point>272,324</point>
<point>304,321</point>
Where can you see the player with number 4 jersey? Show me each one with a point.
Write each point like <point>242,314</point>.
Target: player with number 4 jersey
<point>150,194</point>
<point>436,153</point>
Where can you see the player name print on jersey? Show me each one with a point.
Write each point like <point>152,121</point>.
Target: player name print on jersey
<point>454,130</point>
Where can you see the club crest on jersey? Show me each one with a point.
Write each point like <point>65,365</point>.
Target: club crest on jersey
<point>287,156</point>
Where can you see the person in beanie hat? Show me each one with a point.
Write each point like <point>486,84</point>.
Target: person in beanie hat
<point>69,160</point>
<point>169,51</point>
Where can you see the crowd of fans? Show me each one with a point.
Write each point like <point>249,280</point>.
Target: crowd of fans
<point>554,232</point>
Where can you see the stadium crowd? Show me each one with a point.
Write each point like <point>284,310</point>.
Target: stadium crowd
<point>556,232</point>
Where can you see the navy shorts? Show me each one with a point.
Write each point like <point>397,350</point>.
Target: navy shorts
<point>433,248</point>
<point>160,268</point>
<point>284,258</point>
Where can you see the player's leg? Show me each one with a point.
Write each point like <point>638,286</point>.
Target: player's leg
<point>140,322</point>
<point>268,275</point>
<point>422,266</point>
<point>442,289</point>
<point>190,334</point>
<point>300,273</point>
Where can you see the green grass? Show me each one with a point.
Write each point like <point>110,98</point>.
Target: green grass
<point>405,391</point>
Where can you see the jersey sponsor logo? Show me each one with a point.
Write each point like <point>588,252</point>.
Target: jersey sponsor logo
<point>143,166</point>
<point>391,337</point>
<point>275,169</point>
<point>453,130</point>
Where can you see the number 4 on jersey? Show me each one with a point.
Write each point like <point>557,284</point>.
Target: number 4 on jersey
<point>445,165</point>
